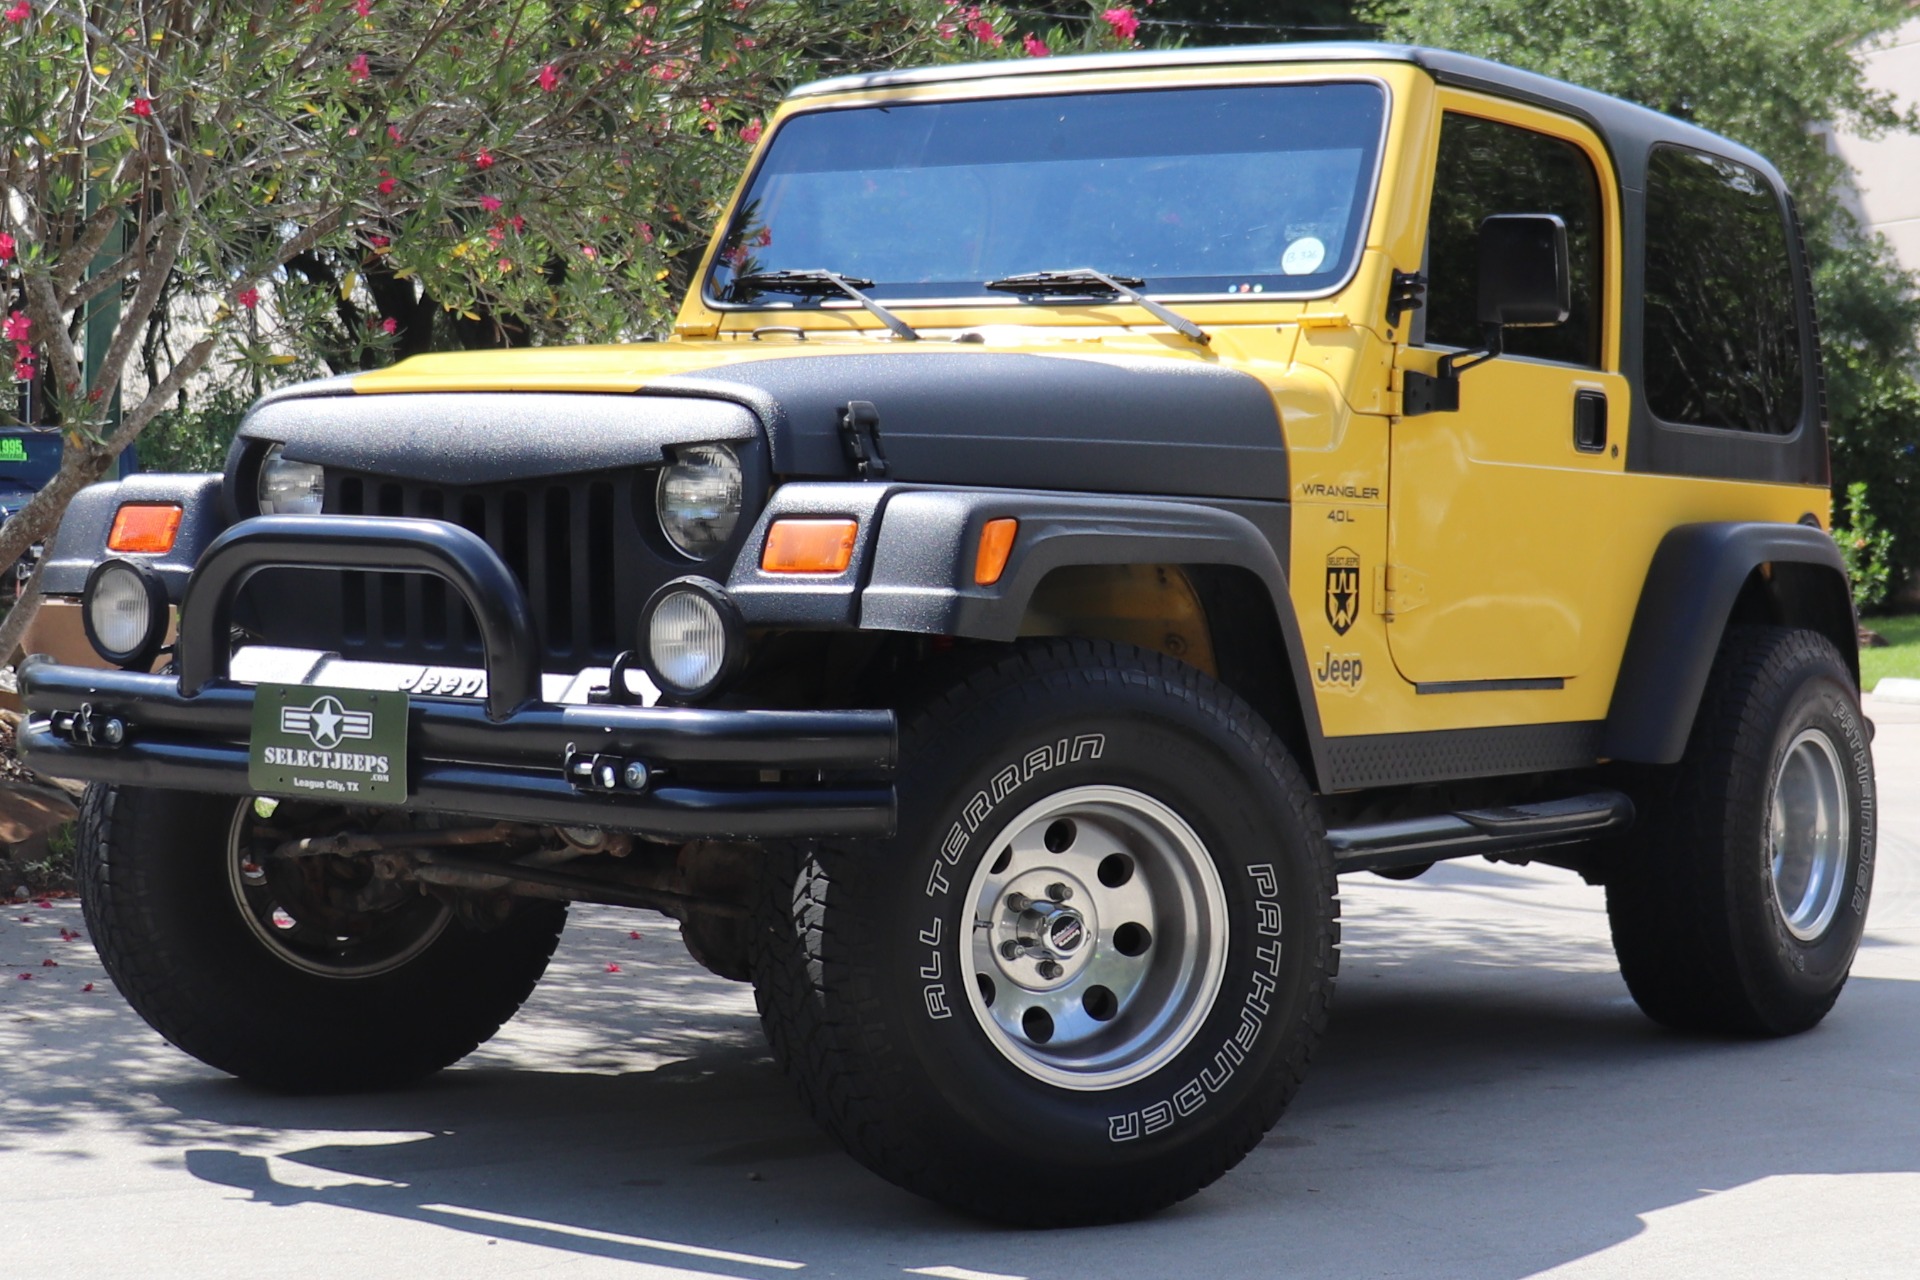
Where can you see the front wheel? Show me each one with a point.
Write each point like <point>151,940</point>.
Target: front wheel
<point>1085,978</point>
<point>1741,908</point>
<point>297,974</point>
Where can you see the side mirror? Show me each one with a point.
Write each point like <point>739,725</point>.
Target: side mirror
<point>1525,280</point>
<point>1524,276</point>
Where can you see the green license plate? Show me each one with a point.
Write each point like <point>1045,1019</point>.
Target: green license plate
<point>348,745</point>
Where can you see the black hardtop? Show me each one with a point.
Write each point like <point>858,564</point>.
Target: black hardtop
<point>1629,130</point>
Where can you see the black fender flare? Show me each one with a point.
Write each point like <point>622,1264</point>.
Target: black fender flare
<point>1691,587</point>
<point>921,572</point>
<point>80,542</point>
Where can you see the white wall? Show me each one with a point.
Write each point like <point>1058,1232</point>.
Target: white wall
<point>1888,185</point>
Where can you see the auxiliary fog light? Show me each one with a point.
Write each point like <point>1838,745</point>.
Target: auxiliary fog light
<point>692,636</point>
<point>124,610</point>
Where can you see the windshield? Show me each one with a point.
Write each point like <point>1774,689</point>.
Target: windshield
<point>1228,190</point>
<point>28,459</point>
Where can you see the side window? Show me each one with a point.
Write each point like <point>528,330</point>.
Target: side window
<point>1723,341</point>
<point>1486,168</point>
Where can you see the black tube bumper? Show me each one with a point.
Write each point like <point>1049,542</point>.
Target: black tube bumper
<point>464,762</point>
<point>508,757</point>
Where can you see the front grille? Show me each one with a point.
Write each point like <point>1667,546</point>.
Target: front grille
<point>564,538</point>
<point>578,544</point>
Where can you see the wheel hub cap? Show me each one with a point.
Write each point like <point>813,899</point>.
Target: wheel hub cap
<point>1099,938</point>
<point>1808,832</point>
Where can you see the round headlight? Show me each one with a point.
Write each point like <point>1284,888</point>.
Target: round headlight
<point>125,612</point>
<point>289,488</point>
<point>692,633</point>
<point>699,499</point>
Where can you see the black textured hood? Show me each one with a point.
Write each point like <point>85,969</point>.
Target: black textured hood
<point>1112,424</point>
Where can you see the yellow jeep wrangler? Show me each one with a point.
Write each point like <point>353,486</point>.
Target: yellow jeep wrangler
<point>1085,506</point>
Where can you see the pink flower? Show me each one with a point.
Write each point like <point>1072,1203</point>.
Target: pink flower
<point>750,132</point>
<point>518,223</point>
<point>19,12</point>
<point>378,242</point>
<point>6,247</point>
<point>17,327</point>
<point>633,934</point>
<point>363,7</point>
<point>496,235</point>
<point>483,160</point>
<point>490,203</point>
<point>358,67</point>
<point>248,297</point>
<point>549,79</point>
<point>49,963</point>
<point>1123,22</point>
<point>1035,46</point>
<point>506,264</point>
<point>946,30</point>
<point>387,183</point>
<point>389,326</point>
<point>143,106</point>
<point>981,29</point>
<point>612,968</point>
<point>393,135</point>
<point>646,233</point>
<point>588,252</point>
<point>88,987</point>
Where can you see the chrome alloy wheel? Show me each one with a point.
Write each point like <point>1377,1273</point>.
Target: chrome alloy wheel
<point>1099,938</point>
<point>296,907</point>
<point>1808,832</point>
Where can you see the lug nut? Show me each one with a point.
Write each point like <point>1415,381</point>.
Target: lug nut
<point>1011,950</point>
<point>1018,902</point>
<point>1050,970</point>
<point>1058,891</point>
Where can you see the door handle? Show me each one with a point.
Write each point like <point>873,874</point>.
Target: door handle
<point>1590,421</point>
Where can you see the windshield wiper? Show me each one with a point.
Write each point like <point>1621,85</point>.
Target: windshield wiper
<point>1084,280</point>
<point>825,284</point>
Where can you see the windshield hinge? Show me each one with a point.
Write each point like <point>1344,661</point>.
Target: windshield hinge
<point>860,435</point>
<point>1408,292</point>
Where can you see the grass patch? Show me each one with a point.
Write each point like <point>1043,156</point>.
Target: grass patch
<point>1901,657</point>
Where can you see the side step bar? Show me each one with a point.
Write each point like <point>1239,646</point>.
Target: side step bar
<point>1406,842</point>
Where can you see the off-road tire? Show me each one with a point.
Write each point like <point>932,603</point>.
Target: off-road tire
<point>1697,926</point>
<point>901,1068</point>
<point>155,892</point>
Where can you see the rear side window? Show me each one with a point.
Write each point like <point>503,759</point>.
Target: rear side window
<point>1486,168</point>
<point>1723,339</point>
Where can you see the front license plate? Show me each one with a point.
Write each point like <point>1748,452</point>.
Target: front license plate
<point>344,744</point>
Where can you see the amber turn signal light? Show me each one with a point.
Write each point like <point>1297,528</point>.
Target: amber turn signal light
<point>148,527</point>
<point>809,546</point>
<point>996,543</point>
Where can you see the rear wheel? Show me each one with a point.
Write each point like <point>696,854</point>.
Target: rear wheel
<point>1085,978</point>
<point>1741,906</point>
<point>301,974</point>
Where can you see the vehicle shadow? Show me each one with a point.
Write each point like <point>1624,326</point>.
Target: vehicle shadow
<point>1487,1103</point>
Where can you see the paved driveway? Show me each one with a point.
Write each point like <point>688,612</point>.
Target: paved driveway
<point>1488,1104</point>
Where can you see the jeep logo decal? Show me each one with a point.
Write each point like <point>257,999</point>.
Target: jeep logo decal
<point>1343,588</point>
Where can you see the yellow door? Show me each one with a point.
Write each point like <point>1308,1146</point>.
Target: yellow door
<point>1496,528</point>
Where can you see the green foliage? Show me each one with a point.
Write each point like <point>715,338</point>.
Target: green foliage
<point>1775,77</point>
<point>1865,547</point>
<point>195,436</point>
